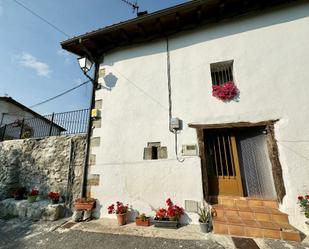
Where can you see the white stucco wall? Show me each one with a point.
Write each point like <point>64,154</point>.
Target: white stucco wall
<point>271,58</point>
<point>9,113</point>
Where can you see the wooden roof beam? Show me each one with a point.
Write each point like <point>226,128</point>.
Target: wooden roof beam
<point>142,30</point>
<point>159,25</point>
<point>126,36</point>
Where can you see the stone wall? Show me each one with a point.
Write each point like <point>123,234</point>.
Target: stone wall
<point>49,164</point>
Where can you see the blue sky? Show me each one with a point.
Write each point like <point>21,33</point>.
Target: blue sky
<point>32,64</point>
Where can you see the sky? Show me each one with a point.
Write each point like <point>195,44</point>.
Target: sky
<point>32,64</point>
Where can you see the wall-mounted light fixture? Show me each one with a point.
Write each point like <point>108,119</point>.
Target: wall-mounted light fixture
<point>85,64</point>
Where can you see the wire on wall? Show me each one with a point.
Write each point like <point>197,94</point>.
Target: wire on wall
<point>168,69</point>
<point>169,85</point>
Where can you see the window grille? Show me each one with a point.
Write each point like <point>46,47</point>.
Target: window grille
<point>221,72</point>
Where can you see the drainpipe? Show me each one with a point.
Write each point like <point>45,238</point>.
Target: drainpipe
<point>94,84</point>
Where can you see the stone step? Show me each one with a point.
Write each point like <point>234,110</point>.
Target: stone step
<point>237,201</point>
<point>261,213</point>
<point>237,226</point>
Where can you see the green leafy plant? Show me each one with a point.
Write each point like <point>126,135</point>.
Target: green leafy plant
<point>204,214</point>
<point>143,217</point>
<point>304,204</point>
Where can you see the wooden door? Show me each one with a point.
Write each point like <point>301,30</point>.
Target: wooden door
<point>222,163</point>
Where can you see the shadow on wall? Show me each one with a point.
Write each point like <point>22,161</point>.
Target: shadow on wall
<point>219,30</point>
<point>110,81</point>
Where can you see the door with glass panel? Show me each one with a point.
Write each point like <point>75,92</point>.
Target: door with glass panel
<point>224,177</point>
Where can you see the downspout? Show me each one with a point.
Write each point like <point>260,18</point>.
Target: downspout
<point>89,129</point>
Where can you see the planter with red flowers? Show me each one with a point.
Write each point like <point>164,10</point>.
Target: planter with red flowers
<point>82,204</point>
<point>54,196</point>
<point>226,91</point>
<point>121,212</point>
<point>303,202</point>
<point>32,195</point>
<point>168,217</point>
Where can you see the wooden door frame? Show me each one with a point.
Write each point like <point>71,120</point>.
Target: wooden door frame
<point>271,145</point>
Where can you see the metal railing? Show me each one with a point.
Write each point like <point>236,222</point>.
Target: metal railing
<point>55,124</point>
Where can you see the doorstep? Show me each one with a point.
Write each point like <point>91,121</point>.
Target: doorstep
<point>252,217</point>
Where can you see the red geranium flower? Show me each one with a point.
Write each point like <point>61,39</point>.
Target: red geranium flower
<point>225,91</point>
<point>34,192</point>
<point>120,208</point>
<point>54,196</point>
<point>173,212</point>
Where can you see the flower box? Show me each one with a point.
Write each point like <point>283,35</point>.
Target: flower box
<point>143,223</point>
<point>84,204</point>
<point>166,224</point>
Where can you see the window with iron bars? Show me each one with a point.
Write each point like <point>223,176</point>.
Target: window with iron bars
<point>221,72</point>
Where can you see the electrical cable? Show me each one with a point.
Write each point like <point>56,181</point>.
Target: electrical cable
<point>168,70</point>
<point>41,18</point>
<point>59,95</point>
<point>181,160</point>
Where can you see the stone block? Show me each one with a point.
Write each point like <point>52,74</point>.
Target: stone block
<point>162,152</point>
<point>95,142</point>
<point>97,123</point>
<point>102,72</point>
<point>98,104</point>
<point>93,180</point>
<point>51,212</point>
<point>92,159</point>
<point>147,153</point>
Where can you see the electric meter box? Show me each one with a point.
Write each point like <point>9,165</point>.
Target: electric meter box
<point>175,123</point>
<point>95,113</point>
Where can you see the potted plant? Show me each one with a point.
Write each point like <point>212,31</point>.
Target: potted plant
<point>54,196</point>
<point>168,218</point>
<point>33,195</point>
<point>121,212</point>
<point>19,193</point>
<point>142,220</point>
<point>85,203</point>
<point>303,201</point>
<point>204,214</point>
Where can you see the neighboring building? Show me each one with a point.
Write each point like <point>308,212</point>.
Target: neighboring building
<point>12,113</point>
<point>254,146</point>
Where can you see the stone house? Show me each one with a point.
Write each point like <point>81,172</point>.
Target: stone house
<point>12,112</point>
<point>251,150</point>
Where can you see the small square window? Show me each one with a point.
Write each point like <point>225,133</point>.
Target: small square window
<point>221,72</point>
<point>154,151</point>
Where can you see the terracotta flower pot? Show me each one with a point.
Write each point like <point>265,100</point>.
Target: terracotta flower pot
<point>140,222</point>
<point>122,219</point>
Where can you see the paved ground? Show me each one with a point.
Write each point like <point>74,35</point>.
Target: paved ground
<point>40,235</point>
